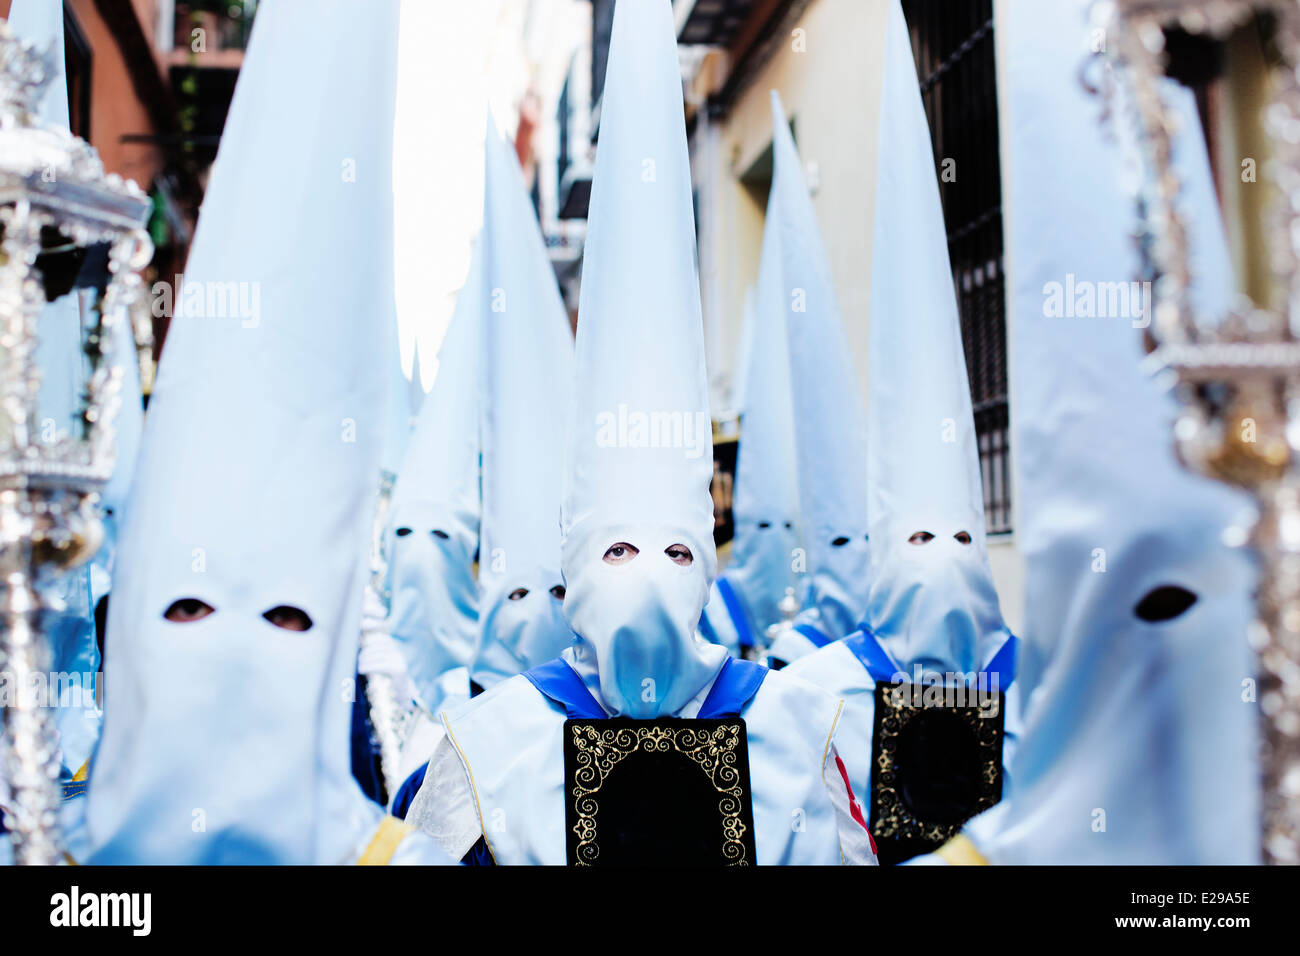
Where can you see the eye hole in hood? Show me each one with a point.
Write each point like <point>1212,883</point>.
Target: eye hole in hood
<point>187,610</point>
<point>680,555</point>
<point>840,542</point>
<point>518,594</point>
<point>1164,603</point>
<point>403,532</point>
<point>620,553</point>
<point>439,533</point>
<point>558,592</point>
<point>289,618</point>
<point>920,537</point>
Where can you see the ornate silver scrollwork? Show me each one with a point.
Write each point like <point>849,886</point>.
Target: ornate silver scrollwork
<point>54,198</point>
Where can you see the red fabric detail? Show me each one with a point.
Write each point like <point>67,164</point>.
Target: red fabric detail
<point>853,803</point>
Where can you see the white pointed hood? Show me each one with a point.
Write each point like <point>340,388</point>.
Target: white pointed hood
<point>1137,747</point>
<point>400,419</point>
<point>528,372</point>
<point>830,429</point>
<point>226,738</point>
<point>765,506</point>
<point>932,603</point>
<point>433,527</point>
<point>745,355</point>
<point>640,441</point>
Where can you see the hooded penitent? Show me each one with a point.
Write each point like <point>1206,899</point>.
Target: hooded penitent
<point>933,615</point>
<point>1138,747</point>
<point>71,628</point>
<point>527,373</point>
<point>766,502</point>
<point>433,534</point>
<point>236,610</point>
<point>638,549</point>
<point>830,433</point>
<point>638,553</point>
<point>932,604</point>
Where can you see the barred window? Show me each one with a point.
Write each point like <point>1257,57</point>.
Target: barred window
<point>954,50</point>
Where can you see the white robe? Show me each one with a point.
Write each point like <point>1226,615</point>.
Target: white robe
<point>499,773</point>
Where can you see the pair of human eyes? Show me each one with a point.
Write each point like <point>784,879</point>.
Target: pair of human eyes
<point>518,594</point>
<point>436,532</point>
<point>923,537</point>
<point>622,553</point>
<point>191,609</point>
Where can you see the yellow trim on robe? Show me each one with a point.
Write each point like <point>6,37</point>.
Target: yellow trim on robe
<point>77,785</point>
<point>960,851</point>
<point>826,752</point>
<point>473,787</point>
<point>388,836</point>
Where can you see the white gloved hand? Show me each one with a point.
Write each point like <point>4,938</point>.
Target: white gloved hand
<point>373,613</point>
<point>380,655</point>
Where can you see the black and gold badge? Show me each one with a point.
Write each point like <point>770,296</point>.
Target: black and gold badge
<point>934,765</point>
<point>668,792</point>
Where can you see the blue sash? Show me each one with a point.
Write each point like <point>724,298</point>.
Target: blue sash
<point>706,629</point>
<point>407,791</point>
<point>866,648</point>
<point>735,686</point>
<point>736,611</point>
<point>818,637</point>
<point>737,682</point>
<point>561,683</point>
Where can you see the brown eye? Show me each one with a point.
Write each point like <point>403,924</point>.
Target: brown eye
<point>921,537</point>
<point>620,553</point>
<point>518,594</point>
<point>188,609</point>
<point>288,617</point>
<point>558,592</point>
<point>963,537</point>
<point>680,554</point>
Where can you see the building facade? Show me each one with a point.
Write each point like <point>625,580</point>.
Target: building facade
<point>824,57</point>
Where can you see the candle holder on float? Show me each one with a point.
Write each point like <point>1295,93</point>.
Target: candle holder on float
<point>390,716</point>
<point>789,608</point>
<point>1236,377</point>
<point>64,225</point>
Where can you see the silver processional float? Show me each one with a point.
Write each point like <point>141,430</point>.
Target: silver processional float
<point>1236,377</point>
<point>59,212</point>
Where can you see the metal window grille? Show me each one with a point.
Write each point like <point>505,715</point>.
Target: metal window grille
<point>954,50</point>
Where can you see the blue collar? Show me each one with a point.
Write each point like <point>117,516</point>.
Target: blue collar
<point>736,684</point>
<point>736,611</point>
<point>866,647</point>
<point>816,635</point>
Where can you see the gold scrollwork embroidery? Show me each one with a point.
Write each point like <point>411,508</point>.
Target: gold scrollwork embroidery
<point>599,750</point>
<point>893,817</point>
